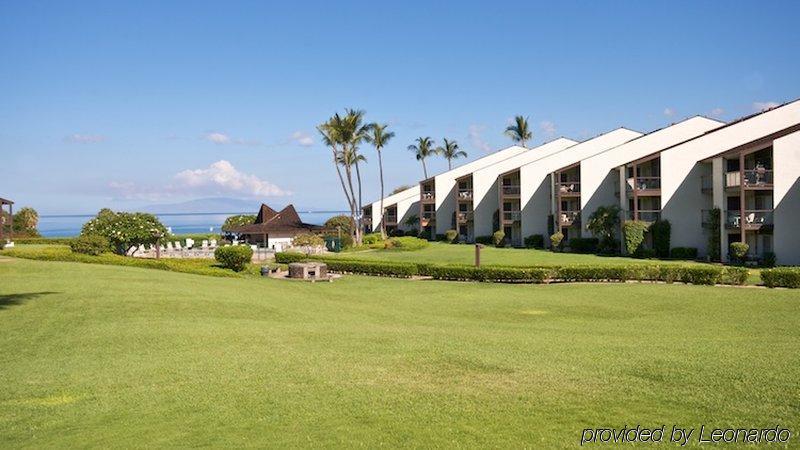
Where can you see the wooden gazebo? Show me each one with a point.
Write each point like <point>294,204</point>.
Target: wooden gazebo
<point>6,220</point>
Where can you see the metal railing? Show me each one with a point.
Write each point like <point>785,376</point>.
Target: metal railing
<point>643,183</point>
<point>568,187</point>
<point>512,216</point>
<point>391,218</point>
<point>465,194</point>
<point>508,189</point>
<point>644,215</point>
<point>428,195</point>
<point>753,218</point>
<point>567,218</point>
<point>752,178</point>
<point>465,216</point>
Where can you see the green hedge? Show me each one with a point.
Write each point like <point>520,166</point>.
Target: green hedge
<point>788,277</point>
<point>669,273</point>
<point>44,241</point>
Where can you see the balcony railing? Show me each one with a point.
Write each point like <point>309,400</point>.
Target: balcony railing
<point>508,189</point>
<point>753,219</point>
<point>644,215</point>
<point>752,178</point>
<point>465,216</point>
<point>512,216</point>
<point>643,183</point>
<point>465,194</point>
<point>569,218</point>
<point>428,195</point>
<point>568,187</point>
<point>391,219</point>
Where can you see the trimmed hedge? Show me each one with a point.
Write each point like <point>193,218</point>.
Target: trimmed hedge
<point>669,273</point>
<point>535,241</point>
<point>90,245</point>
<point>234,257</point>
<point>788,277</point>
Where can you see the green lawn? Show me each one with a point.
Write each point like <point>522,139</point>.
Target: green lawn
<point>99,356</point>
<point>438,252</point>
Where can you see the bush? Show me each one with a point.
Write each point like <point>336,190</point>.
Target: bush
<point>689,253</point>
<point>608,246</point>
<point>633,232</point>
<point>769,259</point>
<point>372,238</point>
<point>90,245</point>
<point>234,257</point>
<point>604,222</point>
<point>645,253</point>
<point>499,238</point>
<point>714,239</point>
<point>232,222</point>
<point>485,240</point>
<point>344,222</point>
<point>125,230</point>
<point>555,240</point>
<point>661,230</point>
<point>400,233</point>
<point>788,277</point>
<point>485,273</point>
<point>308,240</point>
<point>735,275</point>
<point>583,245</point>
<point>406,243</point>
<point>739,251</point>
<point>451,236</point>
<point>534,241</point>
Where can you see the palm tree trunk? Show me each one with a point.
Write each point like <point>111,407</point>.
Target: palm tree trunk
<point>449,164</point>
<point>360,205</point>
<point>356,231</point>
<point>380,169</point>
<point>341,179</point>
<point>424,169</point>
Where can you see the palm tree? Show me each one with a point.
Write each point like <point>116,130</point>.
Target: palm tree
<point>423,148</point>
<point>379,137</point>
<point>451,151</point>
<point>519,132</point>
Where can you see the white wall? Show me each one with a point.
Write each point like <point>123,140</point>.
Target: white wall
<point>786,198</point>
<point>484,182</point>
<point>599,174</point>
<point>446,185</point>
<point>535,195</point>
<point>681,195</point>
<point>404,201</point>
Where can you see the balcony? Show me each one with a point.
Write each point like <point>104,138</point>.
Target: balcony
<point>754,219</point>
<point>568,188</point>
<point>644,185</point>
<point>464,216</point>
<point>428,196</point>
<point>512,216</point>
<point>391,219</point>
<point>465,194</point>
<point>753,178</point>
<point>427,218</point>
<point>644,215</point>
<point>509,190</point>
<point>569,218</point>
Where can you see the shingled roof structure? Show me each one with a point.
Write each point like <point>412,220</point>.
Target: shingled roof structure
<point>284,223</point>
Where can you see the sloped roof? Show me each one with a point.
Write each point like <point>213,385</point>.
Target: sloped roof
<point>268,220</point>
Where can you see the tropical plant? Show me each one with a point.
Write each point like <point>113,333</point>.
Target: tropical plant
<point>308,240</point>
<point>603,222</point>
<point>450,150</point>
<point>125,230</point>
<point>739,251</point>
<point>379,137</point>
<point>26,220</point>
<point>239,220</point>
<point>555,240</point>
<point>634,231</point>
<point>423,148</point>
<point>519,131</point>
<point>499,238</point>
<point>340,222</point>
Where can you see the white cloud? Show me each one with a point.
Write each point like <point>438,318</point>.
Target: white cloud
<point>84,138</point>
<point>220,178</point>
<point>218,138</point>
<point>476,138</point>
<point>761,106</point>
<point>717,112</point>
<point>302,138</point>
<point>669,112</point>
<point>548,128</point>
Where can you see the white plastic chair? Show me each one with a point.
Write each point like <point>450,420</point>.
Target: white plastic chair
<point>170,248</point>
<point>204,245</point>
<point>213,243</point>
<point>178,246</point>
<point>189,243</point>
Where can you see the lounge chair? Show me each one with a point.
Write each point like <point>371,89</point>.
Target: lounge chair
<point>170,248</point>
<point>189,243</point>
<point>213,243</point>
<point>204,244</point>
<point>750,218</point>
<point>178,246</point>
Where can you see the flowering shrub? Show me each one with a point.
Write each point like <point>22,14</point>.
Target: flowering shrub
<point>125,230</point>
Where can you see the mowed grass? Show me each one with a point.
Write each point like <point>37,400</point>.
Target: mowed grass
<point>438,252</point>
<point>99,356</point>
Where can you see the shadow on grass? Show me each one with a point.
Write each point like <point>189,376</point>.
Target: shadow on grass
<point>8,300</point>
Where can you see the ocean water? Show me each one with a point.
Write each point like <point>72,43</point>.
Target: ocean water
<point>70,225</point>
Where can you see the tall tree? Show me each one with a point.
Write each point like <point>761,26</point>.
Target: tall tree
<point>423,148</point>
<point>519,132</point>
<point>378,136</point>
<point>451,151</point>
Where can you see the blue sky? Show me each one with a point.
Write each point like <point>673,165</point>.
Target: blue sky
<point>123,105</point>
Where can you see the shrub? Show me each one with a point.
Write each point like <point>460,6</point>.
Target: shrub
<point>25,222</point>
<point>633,232</point>
<point>485,273</point>
<point>239,220</point>
<point>534,241</point>
<point>555,240</point>
<point>739,251</point>
<point>583,245</point>
<point>343,222</point>
<point>604,221</point>
<point>788,277</point>
<point>661,230</point>
<point>400,233</point>
<point>689,253</point>
<point>308,240</point>
<point>371,238</point>
<point>735,275</point>
<point>714,240</point>
<point>234,257</point>
<point>451,236</point>
<point>499,238</point>
<point>379,268</point>
<point>769,259</point>
<point>90,245</point>
<point>125,230</point>
<point>440,237</point>
<point>407,243</point>
<point>645,253</point>
<point>485,240</point>
<point>608,246</point>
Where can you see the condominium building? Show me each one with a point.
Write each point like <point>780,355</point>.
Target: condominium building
<point>398,209</point>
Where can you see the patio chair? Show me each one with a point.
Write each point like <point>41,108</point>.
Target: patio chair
<point>178,246</point>
<point>170,248</point>
<point>204,244</point>
<point>213,243</point>
<point>189,243</point>
<point>750,218</point>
